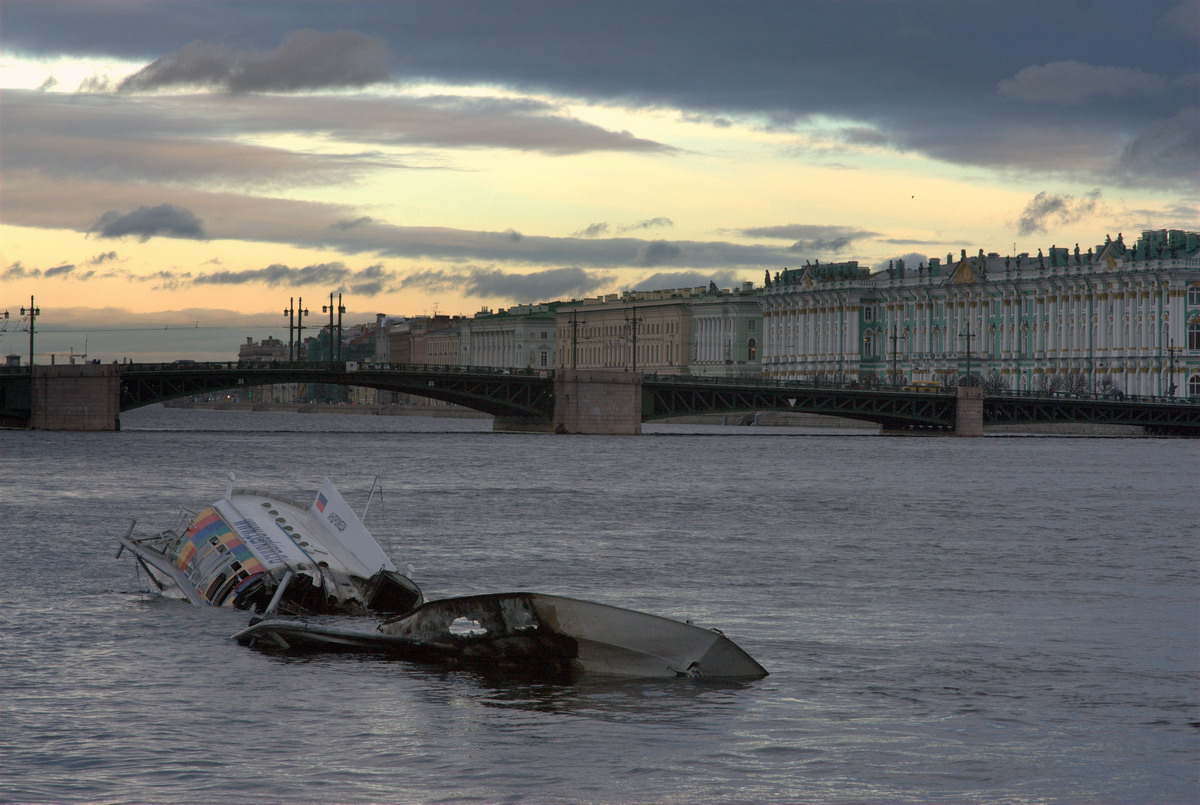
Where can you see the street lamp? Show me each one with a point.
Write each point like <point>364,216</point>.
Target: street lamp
<point>1171,351</point>
<point>340,310</point>
<point>33,313</point>
<point>301,312</point>
<point>632,319</point>
<point>290,312</point>
<point>968,336</point>
<point>575,338</point>
<point>895,336</point>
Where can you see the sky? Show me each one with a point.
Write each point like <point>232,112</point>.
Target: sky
<point>174,173</point>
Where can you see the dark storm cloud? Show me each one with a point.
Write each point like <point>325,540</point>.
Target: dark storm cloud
<point>1072,82</point>
<point>161,140</point>
<point>306,60</point>
<point>494,283</point>
<point>1167,149</point>
<point>657,252</point>
<point>1060,209</point>
<point>194,138</point>
<point>147,222</point>
<point>811,57</point>
<point>906,76</point>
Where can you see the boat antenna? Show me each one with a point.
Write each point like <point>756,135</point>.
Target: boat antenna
<point>229,487</point>
<point>370,494</point>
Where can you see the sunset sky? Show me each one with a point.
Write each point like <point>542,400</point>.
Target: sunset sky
<point>174,172</point>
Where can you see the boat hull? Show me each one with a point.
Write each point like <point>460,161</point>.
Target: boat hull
<point>533,632</point>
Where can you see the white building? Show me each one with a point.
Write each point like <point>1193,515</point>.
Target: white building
<point>521,337</point>
<point>726,332</point>
<point>1116,318</point>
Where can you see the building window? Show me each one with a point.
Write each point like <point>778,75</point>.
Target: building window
<point>1194,335</point>
<point>868,313</point>
<point>1194,296</point>
<point>752,349</point>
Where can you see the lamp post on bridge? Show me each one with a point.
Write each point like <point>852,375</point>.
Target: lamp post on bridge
<point>1172,350</point>
<point>330,310</point>
<point>301,312</point>
<point>341,390</point>
<point>968,336</point>
<point>290,312</point>
<point>895,336</point>
<point>633,320</point>
<point>575,338</point>
<point>33,313</point>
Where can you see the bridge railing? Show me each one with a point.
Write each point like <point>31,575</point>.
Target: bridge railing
<point>339,367</point>
<point>1109,396</point>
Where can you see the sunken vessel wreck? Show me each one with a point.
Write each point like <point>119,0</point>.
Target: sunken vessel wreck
<point>297,566</point>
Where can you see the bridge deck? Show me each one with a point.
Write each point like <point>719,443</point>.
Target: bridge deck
<point>529,395</point>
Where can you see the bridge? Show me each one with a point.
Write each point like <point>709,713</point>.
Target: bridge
<point>92,396</point>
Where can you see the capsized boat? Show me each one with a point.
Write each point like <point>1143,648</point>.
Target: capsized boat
<point>259,551</point>
<point>531,632</point>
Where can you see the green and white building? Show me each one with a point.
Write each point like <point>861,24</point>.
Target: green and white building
<point>1118,317</point>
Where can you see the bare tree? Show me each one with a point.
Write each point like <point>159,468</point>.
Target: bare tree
<point>972,379</point>
<point>1075,383</point>
<point>949,380</point>
<point>1047,383</point>
<point>994,384</point>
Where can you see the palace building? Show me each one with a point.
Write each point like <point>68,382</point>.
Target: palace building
<point>1115,319</point>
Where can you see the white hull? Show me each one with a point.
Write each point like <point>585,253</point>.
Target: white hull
<point>532,632</point>
<point>259,551</point>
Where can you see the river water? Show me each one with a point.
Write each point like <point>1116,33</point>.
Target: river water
<point>996,620</point>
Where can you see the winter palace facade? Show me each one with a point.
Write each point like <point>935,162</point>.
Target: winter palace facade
<point>1116,318</point>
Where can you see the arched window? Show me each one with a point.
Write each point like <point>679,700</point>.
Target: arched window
<point>752,349</point>
<point>1194,386</point>
<point>1194,334</point>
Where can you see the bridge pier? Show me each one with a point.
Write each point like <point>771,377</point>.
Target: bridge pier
<point>968,411</point>
<point>76,397</point>
<point>597,402</point>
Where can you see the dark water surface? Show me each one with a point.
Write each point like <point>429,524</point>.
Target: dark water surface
<point>999,620</point>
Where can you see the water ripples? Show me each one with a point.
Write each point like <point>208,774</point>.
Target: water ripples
<point>1001,620</point>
